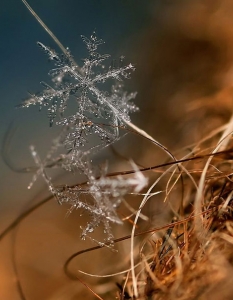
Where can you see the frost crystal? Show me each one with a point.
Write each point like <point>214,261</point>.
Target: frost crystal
<point>98,112</point>
<point>84,85</point>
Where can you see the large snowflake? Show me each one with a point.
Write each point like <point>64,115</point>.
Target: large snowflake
<point>84,85</point>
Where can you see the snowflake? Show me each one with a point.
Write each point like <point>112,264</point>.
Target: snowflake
<point>83,85</point>
<point>106,195</point>
<point>98,112</point>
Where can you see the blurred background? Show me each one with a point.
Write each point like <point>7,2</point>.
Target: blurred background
<point>183,53</point>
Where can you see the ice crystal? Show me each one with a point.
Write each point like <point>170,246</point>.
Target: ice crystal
<point>84,86</point>
<point>105,194</point>
<point>98,112</point>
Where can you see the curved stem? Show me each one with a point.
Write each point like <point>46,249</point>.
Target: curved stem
<point>56,40</point>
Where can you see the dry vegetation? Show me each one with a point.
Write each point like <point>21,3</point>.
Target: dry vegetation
<point>191,258</point>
